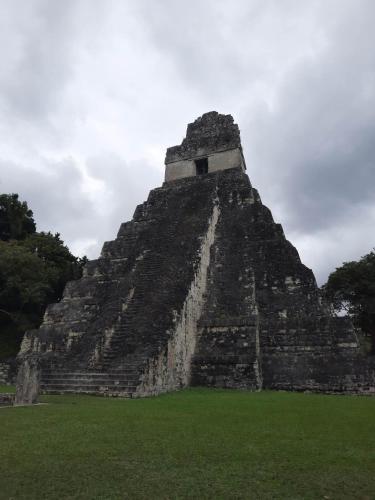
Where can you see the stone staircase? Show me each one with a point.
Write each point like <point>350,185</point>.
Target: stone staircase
<point>126,338</point>
<point>122,382</point>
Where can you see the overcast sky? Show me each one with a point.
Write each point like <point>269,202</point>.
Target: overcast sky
<point>93,92</point>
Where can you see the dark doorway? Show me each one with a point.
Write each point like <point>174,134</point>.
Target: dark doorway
<point>201,166</point>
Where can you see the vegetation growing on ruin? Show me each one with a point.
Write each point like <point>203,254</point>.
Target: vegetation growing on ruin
<point>198,443</point>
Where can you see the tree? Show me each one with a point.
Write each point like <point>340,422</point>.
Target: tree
<point>16,219</point>
<point>34,269</point>
<point>352,288</point>
<point>24,291</point>
<point>61,266</point>
<point>24,280</point>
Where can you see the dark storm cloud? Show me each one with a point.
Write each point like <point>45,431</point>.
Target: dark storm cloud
<point>189,35</point>
<point>317,144</point>
<point>91,94</point>
<point>217,49</point>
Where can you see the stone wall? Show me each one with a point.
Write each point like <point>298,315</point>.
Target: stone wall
<point>7,372</point>
<point>208,134</point>
<point>212,136</point>
<point>222,160</point>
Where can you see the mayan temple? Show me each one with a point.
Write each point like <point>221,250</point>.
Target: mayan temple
<point>201,287</point>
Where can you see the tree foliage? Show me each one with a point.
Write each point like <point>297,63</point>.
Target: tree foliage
<point>34,269</point>
<point>16,220</point>
<point>61,266</point>
<point>352,288</point>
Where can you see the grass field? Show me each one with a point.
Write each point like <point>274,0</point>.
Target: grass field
<point>7,388</point>
<point>198,443</point>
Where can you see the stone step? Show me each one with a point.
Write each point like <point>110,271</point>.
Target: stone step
<point>121,373</point>
<point>72,376</point>
<point>113,353</point>
<point>123,370</point>
<point>85,379</point>
<point>88,380</point>
<point>88,387</point>
<point>123,394</point>
<point>95,380</point>
<point>116,338</point>
<point>108,380</point>
<point>119,340</point>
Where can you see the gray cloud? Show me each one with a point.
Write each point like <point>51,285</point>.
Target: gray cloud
<point>60,202</point>
<point>91,94</point>
<point>54,194</point>
<point>41,59</point>
<point>314,151</point>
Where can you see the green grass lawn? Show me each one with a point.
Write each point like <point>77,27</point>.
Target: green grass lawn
<point>198,443</point>
<point>7,388</point>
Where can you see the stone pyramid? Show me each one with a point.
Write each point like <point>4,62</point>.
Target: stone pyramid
<point>201,287</point>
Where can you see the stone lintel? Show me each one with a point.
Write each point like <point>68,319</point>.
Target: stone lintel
<point>223,160</point>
